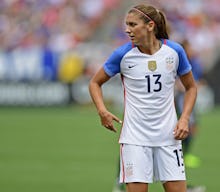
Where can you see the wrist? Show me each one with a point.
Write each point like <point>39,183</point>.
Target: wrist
<point>102,112</point>
<point>184,119</point>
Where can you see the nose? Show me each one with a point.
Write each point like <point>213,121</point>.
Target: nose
<point>127,30</point>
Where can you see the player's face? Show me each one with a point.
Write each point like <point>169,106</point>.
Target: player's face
<point>136,28</point>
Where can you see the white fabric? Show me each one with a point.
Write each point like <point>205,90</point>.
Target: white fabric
<point>150,115</point>
<point>147,164</point>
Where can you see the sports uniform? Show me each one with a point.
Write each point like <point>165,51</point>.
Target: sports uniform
<point>149,115</point>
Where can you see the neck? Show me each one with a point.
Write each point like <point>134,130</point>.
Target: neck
<point>150,47</point>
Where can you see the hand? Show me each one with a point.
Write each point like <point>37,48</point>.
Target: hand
<point>107,119</point>
<point>181,130</point>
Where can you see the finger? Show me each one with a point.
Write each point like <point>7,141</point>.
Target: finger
<point>178,134</point>
<point>117,119</point>
<point>111,128</point>
<point>181,135</point>
<point>175,131</point>
<point>184,135</point>
<point>176,137</point>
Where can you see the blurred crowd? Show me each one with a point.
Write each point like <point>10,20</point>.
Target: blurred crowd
<point>58,32</point>
<point>35,36</point>
<point>199,22</point>
<point>60,24</point>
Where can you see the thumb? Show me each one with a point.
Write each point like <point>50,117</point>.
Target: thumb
<point>175,130</point>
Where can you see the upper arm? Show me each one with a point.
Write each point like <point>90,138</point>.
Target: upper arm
<point>188,80</point>
<point>100,77</point>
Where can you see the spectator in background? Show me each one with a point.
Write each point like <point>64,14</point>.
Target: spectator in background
<point>190,160</point>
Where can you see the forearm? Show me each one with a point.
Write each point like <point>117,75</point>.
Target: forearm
<point>97,96</point>
<point>95,89</point>
<point>189,102</point>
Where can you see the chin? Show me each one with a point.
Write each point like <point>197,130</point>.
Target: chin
<point>133,41</point>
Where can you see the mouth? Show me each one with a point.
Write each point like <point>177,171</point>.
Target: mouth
<point>131,37</point>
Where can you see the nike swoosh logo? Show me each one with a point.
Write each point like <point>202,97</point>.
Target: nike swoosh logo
<point>131,66</point>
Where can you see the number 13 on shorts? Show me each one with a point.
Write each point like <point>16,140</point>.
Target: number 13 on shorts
<point>179,156</point>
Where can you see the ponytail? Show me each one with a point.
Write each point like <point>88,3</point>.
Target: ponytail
<point>161,31</point>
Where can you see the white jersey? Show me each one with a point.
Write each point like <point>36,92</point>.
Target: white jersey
<point>148,80</point>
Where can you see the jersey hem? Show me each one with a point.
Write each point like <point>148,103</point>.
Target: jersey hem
<point>152,145</point>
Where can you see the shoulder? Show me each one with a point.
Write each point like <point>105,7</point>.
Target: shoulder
<point>123,49</point>
<point>183,62</point>
<point>112,65</point>
<point>174,45</point>
<point>119,52</point>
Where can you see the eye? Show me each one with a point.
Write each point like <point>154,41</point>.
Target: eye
<point>131,24</point>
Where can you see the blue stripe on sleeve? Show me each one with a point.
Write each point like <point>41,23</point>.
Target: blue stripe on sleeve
<point>112,65</point>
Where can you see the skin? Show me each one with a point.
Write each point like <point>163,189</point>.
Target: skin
<point>142,34</point>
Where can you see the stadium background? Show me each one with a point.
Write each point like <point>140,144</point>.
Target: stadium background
<point>51,138</point>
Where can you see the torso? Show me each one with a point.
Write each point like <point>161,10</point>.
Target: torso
<point>148,80</point>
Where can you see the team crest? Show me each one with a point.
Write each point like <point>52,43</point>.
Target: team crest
<point>169,63</point>
<point>129,170</point>
<point>152,65</point>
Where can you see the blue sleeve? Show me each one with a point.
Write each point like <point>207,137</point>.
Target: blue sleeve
<point>112,65</point>
<point>197,69</point>
<point>184,66</point>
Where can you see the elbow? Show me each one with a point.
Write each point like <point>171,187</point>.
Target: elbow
<point>195,88</point>
<point>194,91</point>
<point>91,85</point>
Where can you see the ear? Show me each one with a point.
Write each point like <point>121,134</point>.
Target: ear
<point>150,26</point>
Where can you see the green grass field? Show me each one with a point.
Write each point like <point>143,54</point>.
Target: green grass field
<point>66,150</point>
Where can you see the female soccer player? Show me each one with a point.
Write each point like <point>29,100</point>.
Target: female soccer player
<point>151,134</point>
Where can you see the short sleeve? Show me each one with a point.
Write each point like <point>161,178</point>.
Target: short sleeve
<point>112,65</point>
<point>184,66</point>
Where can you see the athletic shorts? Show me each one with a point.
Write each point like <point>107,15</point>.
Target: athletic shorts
<point>148,164</point>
